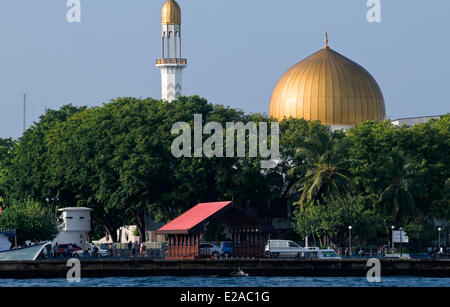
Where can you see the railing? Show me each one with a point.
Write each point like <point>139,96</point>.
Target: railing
<point>121,250</point>
<point>367,252</point>
<point>171,61</point>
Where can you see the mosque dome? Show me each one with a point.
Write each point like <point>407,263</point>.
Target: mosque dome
<point>330,88</point>
<point>171,13</point>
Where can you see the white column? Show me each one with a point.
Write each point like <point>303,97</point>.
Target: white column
<point>162,46</point>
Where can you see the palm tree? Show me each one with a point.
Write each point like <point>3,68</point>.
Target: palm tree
<point>396,200</point>
<point>326,173</point>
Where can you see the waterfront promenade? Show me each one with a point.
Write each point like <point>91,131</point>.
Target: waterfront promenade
<point>221,267</point>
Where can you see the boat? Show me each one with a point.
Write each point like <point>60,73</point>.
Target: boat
<point>239,273</point>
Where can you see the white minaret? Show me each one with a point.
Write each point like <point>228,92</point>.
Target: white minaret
<point>171,64</point>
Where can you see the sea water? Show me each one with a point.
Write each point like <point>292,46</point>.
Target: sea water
<point>169,281</point>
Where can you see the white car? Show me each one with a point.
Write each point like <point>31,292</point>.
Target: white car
<point>100,252</point>
<point>210,249</point>
<point>289,249</point>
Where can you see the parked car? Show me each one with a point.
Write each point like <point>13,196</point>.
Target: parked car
<point>289,249</point>
<point>63,250</point>
<point>210,249</point>
<point>98,252</point>
<point>227,249</point>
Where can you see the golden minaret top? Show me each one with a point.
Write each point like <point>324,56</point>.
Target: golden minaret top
<point>171,13</point>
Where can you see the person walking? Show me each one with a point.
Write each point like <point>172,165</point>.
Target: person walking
<point>142,250</point>
<point>55,250</point>
<point>92,250</point>
<point>130,249</point>
<point>135,249</point>
<point>361,253</point>
<point>69,251</point>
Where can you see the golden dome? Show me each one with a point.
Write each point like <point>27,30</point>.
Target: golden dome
<point>328,87</point>
<point>171,13</point>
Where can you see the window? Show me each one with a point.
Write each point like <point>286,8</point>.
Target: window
<point>292,244</point>
<point>329,254</point>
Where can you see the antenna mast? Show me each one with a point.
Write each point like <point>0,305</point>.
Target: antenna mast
<point>24,110</point>
<point>24,94</point>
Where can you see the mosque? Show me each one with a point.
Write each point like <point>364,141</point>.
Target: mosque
<point>325,86</point>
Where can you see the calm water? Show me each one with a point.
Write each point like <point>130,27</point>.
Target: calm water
<point>231,282</point>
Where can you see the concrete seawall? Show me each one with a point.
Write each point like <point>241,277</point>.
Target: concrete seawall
<point>205,267</point>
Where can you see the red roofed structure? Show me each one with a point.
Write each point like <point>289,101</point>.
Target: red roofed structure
<point>193,217</point>
<point>184,233</point>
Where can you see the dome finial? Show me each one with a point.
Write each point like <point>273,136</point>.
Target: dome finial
<point>326,39</point>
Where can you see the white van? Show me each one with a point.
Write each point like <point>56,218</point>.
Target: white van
<point>289,249</point>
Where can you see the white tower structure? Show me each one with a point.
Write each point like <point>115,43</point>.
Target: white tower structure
<point>171,63</point>
<point>75,227</point>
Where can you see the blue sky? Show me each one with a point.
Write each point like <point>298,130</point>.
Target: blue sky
<point>237,50</point>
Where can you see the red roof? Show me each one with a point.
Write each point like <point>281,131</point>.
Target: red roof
<point>193,217</point>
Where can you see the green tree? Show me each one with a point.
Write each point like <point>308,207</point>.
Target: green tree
<point>294,133</point>
<point>331,217</point>
<point>326,170</point>
<point>117,160</point>
<point>31,221</point>
<point>396,201</point>
<point>370,146</point>
<point>5,156</point>
<point>27,175</point>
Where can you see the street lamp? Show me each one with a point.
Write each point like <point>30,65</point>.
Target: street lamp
<point>350,240</point>
<point>392,227</point>
<point>439,239</point>
<point>401,247</point>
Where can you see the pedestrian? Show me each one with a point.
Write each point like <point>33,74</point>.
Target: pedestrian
<point>130,248</point>
<point>361,253</point>
<point>92,250</point>
<point>135,248</point>
<point>48,253</point>
<point>142,249</point>
<point>69,251</point>
<point>55,250</point>
<point>111,250</point>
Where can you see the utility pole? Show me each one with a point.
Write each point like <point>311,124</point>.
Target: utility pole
<point>24,110</point>
<point>401,247</point>
<point>350,240</point>
<point>24,94</point>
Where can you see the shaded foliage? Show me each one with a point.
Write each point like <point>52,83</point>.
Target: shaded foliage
<point>30,220</point>
<point>117,160</point>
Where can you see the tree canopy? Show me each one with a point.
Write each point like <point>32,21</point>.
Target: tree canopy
<point>31,221</point>
<point>117,160</point>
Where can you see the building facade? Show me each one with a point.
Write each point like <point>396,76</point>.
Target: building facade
<point>75,226</point>
<point>412,121</point>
